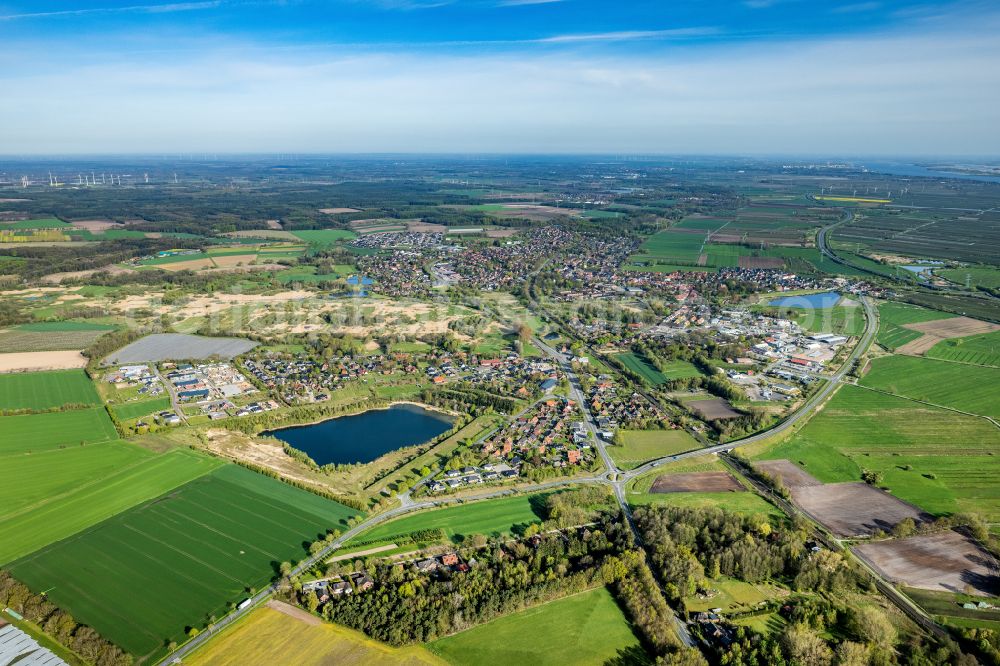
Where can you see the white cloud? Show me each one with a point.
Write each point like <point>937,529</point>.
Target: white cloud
<point>905,94</point>
<point>146,9</point>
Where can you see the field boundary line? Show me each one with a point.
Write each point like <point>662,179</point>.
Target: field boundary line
<point>929,404</point>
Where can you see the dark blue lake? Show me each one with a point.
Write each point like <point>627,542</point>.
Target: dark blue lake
<point>808,301</point>
<point>366,436</point>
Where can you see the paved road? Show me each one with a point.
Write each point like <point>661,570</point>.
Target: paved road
<point>871,327</point>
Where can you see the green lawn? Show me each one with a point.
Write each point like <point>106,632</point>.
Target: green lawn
<point>324,237</point>
<point>489,517</point>
<point>586,628</point>
<point>142,576</point>
<point>642,445</point>
<point>732,596</point>
<point>839,319</point>
<point>46,390</point>
<point>642,368</point>
<point>939,460</point>
<point>943,383</point>
<point>981,349</point>
<point>32,433</point>
<point>85,499</point>
<point>133,410</point>
<point>893,315</point>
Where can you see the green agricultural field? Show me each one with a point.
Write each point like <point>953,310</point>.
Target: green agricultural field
<point>46,390</point>
<point>638,446</point>
<point>60,326</point>
<point>939,460</point>
<point>325,237</point>
<point>142,576</point>
<point>133,410</point>
<point>20,340</point>
<point>979,276</point>
<point>892,315</point>
<point>26,480</point>
<point>981,349</point>
<point>307,274</point>
<point>498,516</point>
<point>637,493</point>
<point>642,368</point>
<point>672,247</point>
<point>840,319</point>
<point>34,433</point>
<point>943,383</point>
<point>85,500</point>
<point>586,628</point>
<point>46,223</point>
<point>679,370</point>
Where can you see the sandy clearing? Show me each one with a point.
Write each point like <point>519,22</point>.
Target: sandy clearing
<point>50,360</point>
<point>943,562</point>
<point>190,265</point>
<point>362,553</point>
<point>273,224</point>
<point>338,211</point>
<point>425,228</point>
<point>500,233</point>
<point>790,474</point>
<point>93,225</point>
<point>56,278</point>
<point>292,611</point>
<point>235,260</point>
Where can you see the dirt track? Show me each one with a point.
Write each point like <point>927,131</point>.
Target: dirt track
<point>947,561</point>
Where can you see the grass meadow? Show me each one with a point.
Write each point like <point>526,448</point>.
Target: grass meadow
<point>642,368</point>
<point>140,577</point>
<point>939,460</point>
<point>324,237</point>
<point>954,385</point>
<point>497,516</point>
<point>586,628</point>
<point>893,315</point>
<point>46,390</point>
<point>981,349</point>
<point>133,410</point>
<point>638,446</point>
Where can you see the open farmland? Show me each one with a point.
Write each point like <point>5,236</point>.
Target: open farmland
<point>33,433</point>
<point>324,237</point>
<point>586,628</point>
<point>696,482</point>
<point>938,330</point>
<point>498,516</point>
<point>193,550</point>
<point>638,446</point>
<point>269,636</point>
<point>25,339</point>
<point>86,499</point>
<point>981,349</point>
<point>133,410</point>
<point>46,390</point>
<point>44,360</point>
<point>167,346</point>
<point>937,234</point>
<point>853,509</point>
<point>894,316</point>
<point>693,473</point>
<point>711,409</point>
<point>942,383</point>
<point>977,276</point>
<point>947,561</point>
<point>937,459</point>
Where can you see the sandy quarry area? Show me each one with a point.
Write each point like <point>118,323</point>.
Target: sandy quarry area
<point>93,226</point>
<point>50,360</point>
<point>943,329</point>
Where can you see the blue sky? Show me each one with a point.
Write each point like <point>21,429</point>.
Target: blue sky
<point>753,77</point>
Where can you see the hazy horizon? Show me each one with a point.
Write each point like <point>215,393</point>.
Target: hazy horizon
<point>756,78</point>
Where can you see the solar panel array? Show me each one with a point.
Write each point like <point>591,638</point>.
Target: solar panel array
<point>15,645</point>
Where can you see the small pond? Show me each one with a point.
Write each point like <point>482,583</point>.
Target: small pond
<point>366,436</point>
<point>808,301</point>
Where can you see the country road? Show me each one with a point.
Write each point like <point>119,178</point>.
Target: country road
<point>613,476</point>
